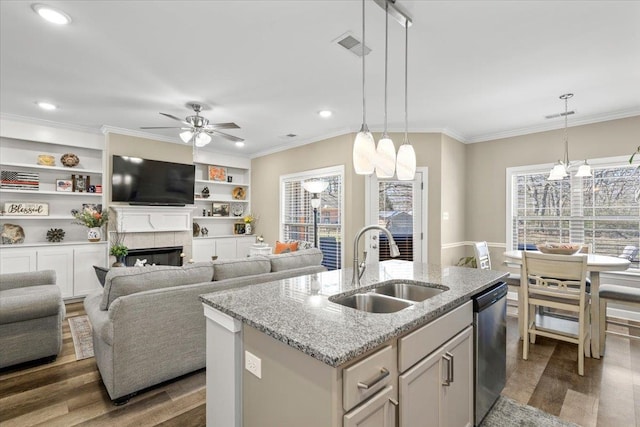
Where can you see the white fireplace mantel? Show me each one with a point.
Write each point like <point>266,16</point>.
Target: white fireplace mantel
<point>145,219</point>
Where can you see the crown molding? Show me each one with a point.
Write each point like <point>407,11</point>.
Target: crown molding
<point>622,114</point>
<point>139,134</point>
<point>50,123</point>
<point>299,143</point>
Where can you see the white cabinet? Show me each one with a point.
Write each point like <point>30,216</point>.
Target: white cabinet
<point>17,260</point>
<point>73,264</point>
<point>223,247</point>
<point>438,391</point>
<point>59,259</point>
<point>85,280</point>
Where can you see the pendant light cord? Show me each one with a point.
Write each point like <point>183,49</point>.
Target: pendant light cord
<point>566,133</point>
<point>364,113</point>
<point>386,61</point>
<point>406,67</point>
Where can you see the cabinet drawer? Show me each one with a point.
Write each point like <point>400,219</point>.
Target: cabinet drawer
<point>366,377</point>
<point>425,340</point>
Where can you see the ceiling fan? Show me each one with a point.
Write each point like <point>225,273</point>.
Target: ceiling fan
<point>197,129</point>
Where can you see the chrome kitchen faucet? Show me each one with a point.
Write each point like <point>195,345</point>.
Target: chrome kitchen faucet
<point>358,268</point>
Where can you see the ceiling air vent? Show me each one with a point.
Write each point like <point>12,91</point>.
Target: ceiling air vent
<point>352,44</point>
<point>555,116</point>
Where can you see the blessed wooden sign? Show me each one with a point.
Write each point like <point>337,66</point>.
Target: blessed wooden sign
<point>22,208</point>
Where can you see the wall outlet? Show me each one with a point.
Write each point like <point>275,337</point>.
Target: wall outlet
<point>253,364</point>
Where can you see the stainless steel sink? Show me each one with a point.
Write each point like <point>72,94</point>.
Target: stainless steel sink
<point>372,303</point>
<point>408,291</point>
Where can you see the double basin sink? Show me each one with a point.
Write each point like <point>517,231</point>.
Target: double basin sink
<point>389,297</point>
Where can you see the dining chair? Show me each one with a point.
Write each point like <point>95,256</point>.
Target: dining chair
<point>623,295</point>
<point>483,262</point>
<point>556,281</point>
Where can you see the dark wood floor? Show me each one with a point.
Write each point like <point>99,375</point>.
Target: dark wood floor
<point>69,392</point>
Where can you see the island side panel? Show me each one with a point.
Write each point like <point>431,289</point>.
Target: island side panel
<point>295,389</point>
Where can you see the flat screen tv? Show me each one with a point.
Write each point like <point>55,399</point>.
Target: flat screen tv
<point>150,182</point>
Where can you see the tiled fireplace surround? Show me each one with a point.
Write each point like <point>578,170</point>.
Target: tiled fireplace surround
<point>154,227</point>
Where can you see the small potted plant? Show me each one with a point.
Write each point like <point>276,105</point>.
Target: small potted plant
<point>119,251</point>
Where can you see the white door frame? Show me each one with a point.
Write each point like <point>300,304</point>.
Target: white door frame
<point>371,183</point>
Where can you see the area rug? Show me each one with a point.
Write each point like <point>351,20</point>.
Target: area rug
<point>82,335</point>
<point>507,412</point>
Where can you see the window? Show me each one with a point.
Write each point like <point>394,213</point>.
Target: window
<point>600,210</point>
<point>296,213</point>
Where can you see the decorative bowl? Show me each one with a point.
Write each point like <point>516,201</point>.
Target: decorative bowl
<point>69,160</point>
<point>559,248</point>
<point>46,160</point>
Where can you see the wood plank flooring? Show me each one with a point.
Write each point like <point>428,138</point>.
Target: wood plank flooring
<point>70,393</point>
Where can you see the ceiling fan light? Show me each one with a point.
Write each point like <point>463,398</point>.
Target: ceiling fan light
<point>186,136</point>
<point>385,158</point>
<point>202,139</point>
<point>584,170</point>
<point>364,152</point>
<point>406,162</point>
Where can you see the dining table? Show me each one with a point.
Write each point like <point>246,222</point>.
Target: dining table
<point>595,265</point>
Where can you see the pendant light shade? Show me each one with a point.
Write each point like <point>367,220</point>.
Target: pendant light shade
<point>584,170</point>
<point>385,158</point>
<point>406,162</point>
<point>364,152</point>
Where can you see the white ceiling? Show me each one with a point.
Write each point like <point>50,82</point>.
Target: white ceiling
<point>477,69</point>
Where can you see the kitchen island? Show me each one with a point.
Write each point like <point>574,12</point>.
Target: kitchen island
<point>310,361</point>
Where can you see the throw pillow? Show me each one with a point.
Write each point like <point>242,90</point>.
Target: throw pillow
<point>281,247</point>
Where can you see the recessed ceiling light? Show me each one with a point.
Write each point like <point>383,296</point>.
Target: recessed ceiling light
<point>239,144</point>
<point>325,114</point>
<point>47,105</point>
<point>51,14</point>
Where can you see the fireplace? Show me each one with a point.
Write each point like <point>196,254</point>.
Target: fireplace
<point>159,256</point>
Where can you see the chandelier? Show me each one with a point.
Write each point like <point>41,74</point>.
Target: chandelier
<point>562,169</point>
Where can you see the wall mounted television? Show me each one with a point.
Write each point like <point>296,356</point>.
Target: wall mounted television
<point>151,182</point>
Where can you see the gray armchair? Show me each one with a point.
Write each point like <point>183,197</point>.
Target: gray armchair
<point>31,315</point>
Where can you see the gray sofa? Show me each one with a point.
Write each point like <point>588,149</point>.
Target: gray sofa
<point>31,315</point>
<point>149,326</point>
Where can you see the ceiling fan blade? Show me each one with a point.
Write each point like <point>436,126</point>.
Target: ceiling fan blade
<point>160,127</point>
<point>171,116</point>
<point>224,135</point>
<point>230,125</point>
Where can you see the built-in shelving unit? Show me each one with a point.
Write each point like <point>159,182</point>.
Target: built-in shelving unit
<point>73,258</point>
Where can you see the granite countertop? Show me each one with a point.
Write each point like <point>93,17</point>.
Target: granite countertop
<point>298,312</point>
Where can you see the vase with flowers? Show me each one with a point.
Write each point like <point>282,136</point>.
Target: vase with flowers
<point>249,221</point>
<point>94,221</point>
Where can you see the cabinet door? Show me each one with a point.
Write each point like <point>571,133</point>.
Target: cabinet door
<point>226,248</point>
<point>17,261</point>
<point>203,249</point>
<point>438,391</point>
<point>85,280</point>
<point>419,393</point>
<point>59,259</point>
<point>378,411</point>
<point>243,247</point>
<point>457,398</point>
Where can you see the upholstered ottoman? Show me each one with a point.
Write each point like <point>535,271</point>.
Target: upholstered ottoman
<point>31,315</point>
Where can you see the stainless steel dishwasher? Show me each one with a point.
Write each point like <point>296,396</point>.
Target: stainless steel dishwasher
<point>490,339</point>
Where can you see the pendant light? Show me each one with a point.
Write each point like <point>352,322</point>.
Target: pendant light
<point>364,147</point>
<point>406,161</point>
<point>386,151</point>
<point>562,169</point>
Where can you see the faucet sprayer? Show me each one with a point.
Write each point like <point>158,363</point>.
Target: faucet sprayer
<point>358,268</point>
